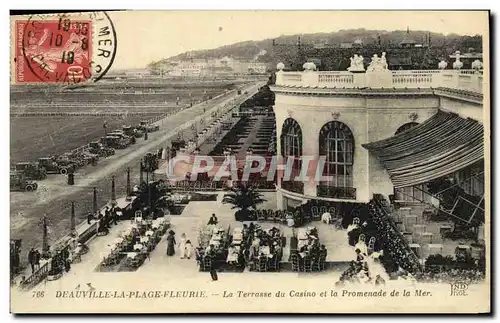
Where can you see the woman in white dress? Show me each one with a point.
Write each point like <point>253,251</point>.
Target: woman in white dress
<point>182,245</point>
<point>189,249</point>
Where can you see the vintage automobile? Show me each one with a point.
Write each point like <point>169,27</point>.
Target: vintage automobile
<point>119,133</point>
<point>52,166</point>
<point>114,142</point>
<point>149,127</point>
<point>19,183</point>
<point>88,157</point>
<point>30,170</point>
<point>133,132</point>
<point>95,147</point>
<point>70,159</point>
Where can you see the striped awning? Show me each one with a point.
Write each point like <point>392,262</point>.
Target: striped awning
<point>441,145</point>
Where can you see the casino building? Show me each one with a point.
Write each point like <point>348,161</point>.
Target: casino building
<point>382,131</point>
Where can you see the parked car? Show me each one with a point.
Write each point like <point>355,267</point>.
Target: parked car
<point>19,183</point>
<point>30,170</point>
<point>51,166</point>
<point>95,147</point>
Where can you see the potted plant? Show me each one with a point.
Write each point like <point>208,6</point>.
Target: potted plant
<point>245,199</point>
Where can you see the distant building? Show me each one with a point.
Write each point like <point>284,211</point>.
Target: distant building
<point>138,73</point>
<point>408,41</point>
<point>217,67</point>
<point>257,68</point>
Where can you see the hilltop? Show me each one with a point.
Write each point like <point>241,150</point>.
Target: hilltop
<point>380,39</point>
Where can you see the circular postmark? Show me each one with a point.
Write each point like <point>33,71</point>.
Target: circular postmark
<point>68,48</point>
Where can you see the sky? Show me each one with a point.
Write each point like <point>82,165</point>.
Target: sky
<point>146,36</point>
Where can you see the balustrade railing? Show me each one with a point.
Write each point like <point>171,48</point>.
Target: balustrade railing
<point>328,190</point>
<point>466,80</point>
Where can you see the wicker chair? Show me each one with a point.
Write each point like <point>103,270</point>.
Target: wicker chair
<point>307,264</point>
<point>207,263</point>
<point>262,265</point>
<point>295,262</point>
<point>260,215</point>
<point>315,212</point>
<point>320,265</point>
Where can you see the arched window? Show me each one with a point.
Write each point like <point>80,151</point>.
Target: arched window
<point>336,143</point>
<point>291,138</point>
<point>291,145</point>
<point>405,127</point>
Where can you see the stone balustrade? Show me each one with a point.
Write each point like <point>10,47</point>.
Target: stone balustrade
<point>466,80</point>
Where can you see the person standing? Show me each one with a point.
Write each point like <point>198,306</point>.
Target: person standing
<point>171,243</point>
<point>182,246</point>
<point>115,216</point>
<point>213,220</point>
<point>38,256</point>
<point>89,218</point>
<point>31,259</point>
<point>189,249</point>
<point>213,266</point>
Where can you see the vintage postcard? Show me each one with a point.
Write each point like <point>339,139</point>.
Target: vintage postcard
<point>250,162</point>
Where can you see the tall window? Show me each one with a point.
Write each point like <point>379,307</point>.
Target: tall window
<point>291,142</point>
<point>336,143</point>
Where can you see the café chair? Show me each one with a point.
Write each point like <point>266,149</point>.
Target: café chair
<point>315,212</point>
<point>295,262</point>
<point>307,264</point>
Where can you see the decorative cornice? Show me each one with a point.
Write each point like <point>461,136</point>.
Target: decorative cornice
<point>411,92</point>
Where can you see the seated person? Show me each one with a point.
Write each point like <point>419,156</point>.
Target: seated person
<point>303,251</point>
<point>359,257</point>
<point>103,228</point>
<point>326,218</point>
<point>232,255</point>
<point>199,254</point>
<point>323,252</point>
<point>210,250</point>
<point>213,220</point>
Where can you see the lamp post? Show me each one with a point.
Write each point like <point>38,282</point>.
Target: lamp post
<point>113,192</point>
<point>128,182</point>
<point>141,176</point>
<point>45,238</point>
<point>73,219</point>
<point>94,201</point>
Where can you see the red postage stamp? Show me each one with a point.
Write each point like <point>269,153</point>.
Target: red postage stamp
<point>53,51</point>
